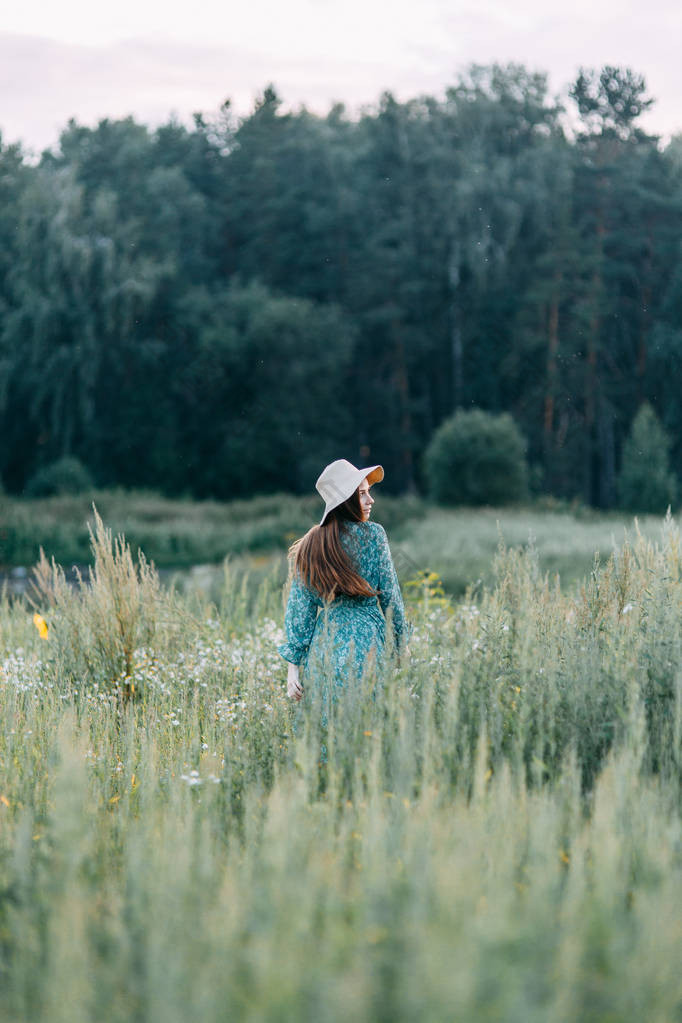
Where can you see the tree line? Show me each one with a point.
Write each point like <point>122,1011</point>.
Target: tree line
<point>219,310</point>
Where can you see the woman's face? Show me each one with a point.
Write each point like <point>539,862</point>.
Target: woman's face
<point>366,500</point>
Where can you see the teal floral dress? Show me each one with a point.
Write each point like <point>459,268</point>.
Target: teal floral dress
<point>339,640</point>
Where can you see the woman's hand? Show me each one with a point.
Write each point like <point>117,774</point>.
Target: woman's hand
<point>294,687</point>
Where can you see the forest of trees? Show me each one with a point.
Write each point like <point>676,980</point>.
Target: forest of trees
<point>220,310</point>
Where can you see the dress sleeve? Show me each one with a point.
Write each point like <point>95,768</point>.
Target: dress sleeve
<point>299,621</point>
<point>389,590</point>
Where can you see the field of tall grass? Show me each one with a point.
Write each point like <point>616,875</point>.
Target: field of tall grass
<point>489,830</point>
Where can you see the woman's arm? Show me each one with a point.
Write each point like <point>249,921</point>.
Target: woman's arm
<point>390,597</point>
<point>299,625</point>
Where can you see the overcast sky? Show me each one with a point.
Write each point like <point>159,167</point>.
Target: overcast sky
<point>75,58</point>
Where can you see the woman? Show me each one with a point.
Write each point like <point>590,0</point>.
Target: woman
<point>344,586</point>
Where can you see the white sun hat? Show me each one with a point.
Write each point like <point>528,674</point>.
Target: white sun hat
<point>341,479</point>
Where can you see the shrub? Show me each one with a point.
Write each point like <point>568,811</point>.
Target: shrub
<point>65,476</point>
<point>476,458</point>
<point>646,483</point>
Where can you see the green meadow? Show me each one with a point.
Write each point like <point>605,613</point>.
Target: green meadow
<point>188,537</point>
<point>490,829</point>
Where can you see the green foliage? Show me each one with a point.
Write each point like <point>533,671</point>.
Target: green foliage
<point>219,310</point>
<point>65,476</point>
<point>612,101</point>
<point>646,483</point>
<point>476,458</point>
<point>266,373</point>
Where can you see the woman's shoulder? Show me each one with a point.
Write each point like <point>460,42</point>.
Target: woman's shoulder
<point>371,530</point>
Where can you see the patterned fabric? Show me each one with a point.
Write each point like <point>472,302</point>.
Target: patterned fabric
<point>347,635</point>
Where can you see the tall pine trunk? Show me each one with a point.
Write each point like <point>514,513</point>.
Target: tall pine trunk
<point>456,348</point>
<point>552,375</point>
<point>402,386</point>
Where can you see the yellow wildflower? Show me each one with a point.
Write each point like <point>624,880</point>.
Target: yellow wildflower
<point>41,625</point>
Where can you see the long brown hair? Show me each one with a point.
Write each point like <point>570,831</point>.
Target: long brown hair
<point>321,560</point>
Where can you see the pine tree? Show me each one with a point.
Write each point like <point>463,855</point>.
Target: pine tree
<point>646,483</point>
